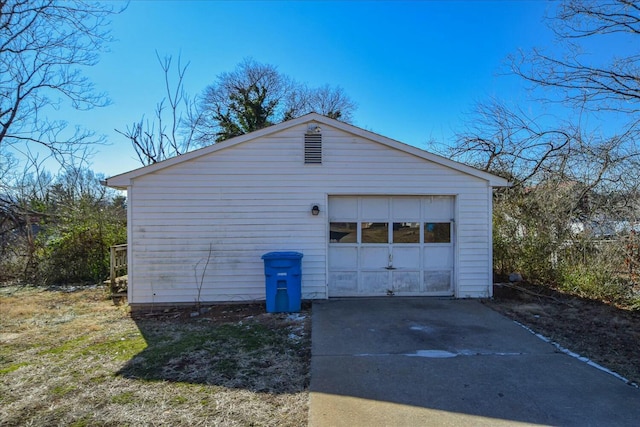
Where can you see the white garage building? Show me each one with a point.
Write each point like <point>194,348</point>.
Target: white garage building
<point>372,217</point>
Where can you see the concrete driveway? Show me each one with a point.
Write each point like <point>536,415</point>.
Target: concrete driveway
<point>423,362</point>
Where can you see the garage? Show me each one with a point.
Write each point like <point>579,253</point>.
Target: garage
<point>372,217</point>
<point>391,245</point>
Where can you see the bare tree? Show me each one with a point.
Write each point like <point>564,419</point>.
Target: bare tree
<point>329,101</point>
<point>162,138</point>
<point>44,45</point>
<point>332,102</point>
<point>580,78</point>
<point>576,183</point>
<point>605,87</point>
<point>509,142</point>
<point>530,148</point>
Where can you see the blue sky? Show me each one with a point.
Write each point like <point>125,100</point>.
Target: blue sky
<point>414,68</point>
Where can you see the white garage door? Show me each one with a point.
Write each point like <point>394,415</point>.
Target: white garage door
<point>391,245</point>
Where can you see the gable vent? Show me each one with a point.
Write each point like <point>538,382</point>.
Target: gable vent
<point>313,148</point>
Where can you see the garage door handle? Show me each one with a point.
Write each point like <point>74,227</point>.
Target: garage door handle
<point>390,268</point>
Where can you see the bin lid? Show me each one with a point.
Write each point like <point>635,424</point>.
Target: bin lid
<point>282,255</point>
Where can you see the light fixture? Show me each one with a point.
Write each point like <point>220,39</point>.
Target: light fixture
<point>315,210</point>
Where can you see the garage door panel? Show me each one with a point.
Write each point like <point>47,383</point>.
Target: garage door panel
<point>438,208</point>
<point>437,281</point>
<point>343,283</point>
<point>343,258</point>
<point>438,257</point>
<point>406,257</point>
<point>374,257</point>
<point>375,208</point>
<point>375,282</point>
<point>406,281</point>
<point>344,208</point>
<point>406,208</point>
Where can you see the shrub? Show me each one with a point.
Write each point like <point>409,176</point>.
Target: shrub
<point>80,253</point>
<point>593,282</point>
<point>551,239</point>
<point>60,230</point>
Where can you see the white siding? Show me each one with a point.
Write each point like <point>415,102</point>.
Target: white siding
<point>256,197</point>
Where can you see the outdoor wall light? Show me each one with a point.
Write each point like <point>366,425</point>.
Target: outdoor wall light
<point>315,210</point>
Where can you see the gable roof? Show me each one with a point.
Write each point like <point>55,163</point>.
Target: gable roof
<point>124,180</point>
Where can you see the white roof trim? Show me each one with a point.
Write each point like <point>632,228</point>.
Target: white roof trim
<point>124,180</point>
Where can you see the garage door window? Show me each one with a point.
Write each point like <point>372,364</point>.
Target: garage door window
<point>375,232</point>
<point>437,232</point>
<point>343,232</point>
<point>406,232</point>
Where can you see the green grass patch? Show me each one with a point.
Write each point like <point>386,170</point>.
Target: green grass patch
<point>119,348</point>
<point>85,421</point>
<point>12,368</point>
<point>250,337</point>
<point>63,390</point>
<point>122,349</point>
<point>124,398</point>
<point>227,367</point>
<point>68,346</point>
<point>179,400</point>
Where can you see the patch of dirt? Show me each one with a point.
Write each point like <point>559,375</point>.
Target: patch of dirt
<point>608,335</point>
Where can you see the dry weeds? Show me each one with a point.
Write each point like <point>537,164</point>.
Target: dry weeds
<point>73,358</point>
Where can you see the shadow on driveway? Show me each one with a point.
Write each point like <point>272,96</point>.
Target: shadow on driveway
<point>422,361</point>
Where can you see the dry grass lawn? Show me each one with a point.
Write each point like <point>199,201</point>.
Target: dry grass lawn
<point>76,359</point>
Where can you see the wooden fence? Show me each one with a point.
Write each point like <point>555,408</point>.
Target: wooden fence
<point>118,268</point>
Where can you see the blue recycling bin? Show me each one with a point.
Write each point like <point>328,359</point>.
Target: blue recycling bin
<point>283,281</point>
